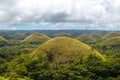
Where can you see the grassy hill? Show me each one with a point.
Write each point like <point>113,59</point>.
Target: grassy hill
<point>36,38</point>
<point>3,41</point>
<point>85,38</point>
<point>63,50</point>
<point>2,38</point>
<point>111,34</point>
<point>110,46</point>
<point>111,41</point>
<point>62,34</point>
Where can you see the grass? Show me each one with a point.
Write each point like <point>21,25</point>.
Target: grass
<point>85,37</point>
<point>110,35</point>
<point>63,49</point>
<point>36,37</point>
<point>2,38</point>
<point>111,41</point>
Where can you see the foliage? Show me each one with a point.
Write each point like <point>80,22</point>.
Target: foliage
<point>86,38</point>
<point>110,35</point>
<point>62,49</point>
<point>60,58</point>
<point>36,38</point>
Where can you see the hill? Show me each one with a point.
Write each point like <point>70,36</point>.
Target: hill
<point>63,50</point>
<point>110,46</point>
<point>36,38</point>
<point>3,41</point>
<point>62,34</point>
<point>85,38</point>
<point>2,38</point>
<point>111,41</point>
<point>111,34</point>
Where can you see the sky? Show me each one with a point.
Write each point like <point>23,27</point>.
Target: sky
<point>60,14</point>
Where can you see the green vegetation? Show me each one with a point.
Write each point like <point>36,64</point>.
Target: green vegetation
<point>111,34</point>
<point>62,34</point>
<point>59,58</point>
<point>36,38</point>
<point>111,41</point>
<point>110,46</point>
<point>86,38</point>
<point>3,41</point>
<point>63,49</point>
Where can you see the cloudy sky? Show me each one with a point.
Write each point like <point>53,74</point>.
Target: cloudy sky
<point>60,14</point>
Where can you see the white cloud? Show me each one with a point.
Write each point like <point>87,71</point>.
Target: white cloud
<point>85,12</point>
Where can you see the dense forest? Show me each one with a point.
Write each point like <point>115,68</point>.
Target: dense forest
<point>60,55</point>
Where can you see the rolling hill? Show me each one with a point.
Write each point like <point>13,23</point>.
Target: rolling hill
<point>111,34</point>
<point>85,38</point>
<point>62,34</point>
<point>3,41</point>
<point>36,38</point>
<point>2,38</point>
<point>110,46</point>
<point>63,50</point>
<point>111,41</point>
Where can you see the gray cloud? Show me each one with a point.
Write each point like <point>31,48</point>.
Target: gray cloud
<point>104,12</point>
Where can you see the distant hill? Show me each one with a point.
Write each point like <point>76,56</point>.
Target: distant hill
<point>110,46</point>
<point>111,41</point>
<point>63,50</point>
<point>3,41</point>
<point>36,38</point>
<point>2,38</point>
<point>85,38</point>
<point>62,34</point>
<point>111,34</point>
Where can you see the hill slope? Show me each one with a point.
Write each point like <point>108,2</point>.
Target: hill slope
<point>110,46</point>
<point>36,38</point>
<point>85,38</point>
<point>3,41</point>
<point>2,38</point>
<point>111,34</point>
<point>63,49</point>
<point>112,41</point>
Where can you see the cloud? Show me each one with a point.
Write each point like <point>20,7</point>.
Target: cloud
<point>85,12</point>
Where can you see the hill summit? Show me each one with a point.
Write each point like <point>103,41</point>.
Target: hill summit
<point>36,38</point>
<point>63,50</point>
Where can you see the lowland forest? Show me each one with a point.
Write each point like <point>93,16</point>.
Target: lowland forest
<point>59,55</point>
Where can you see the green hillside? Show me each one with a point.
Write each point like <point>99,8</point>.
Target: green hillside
<point>2,38</point>
<point>111,41</point>
<point>63,49</point>
<point>3,41</point>
<point>110,46</point>
<point>62,34</point>
<point>60,58</point>
<point>36,38</point>
<point>111,34</point>
<point>85,38</point>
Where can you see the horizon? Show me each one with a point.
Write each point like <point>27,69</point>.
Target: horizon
<point>62,30</point>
